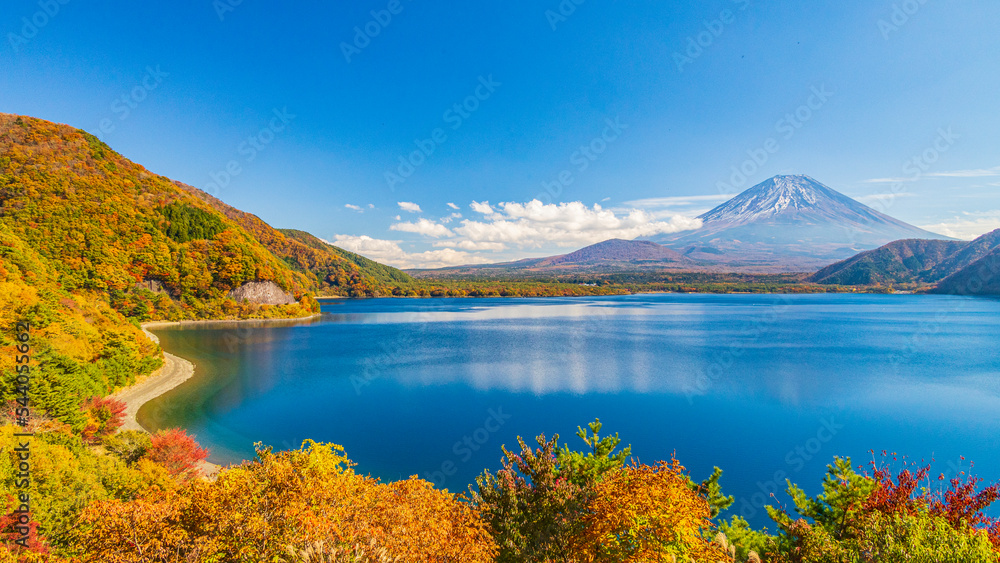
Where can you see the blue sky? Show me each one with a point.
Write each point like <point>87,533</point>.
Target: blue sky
<point>642,109</point>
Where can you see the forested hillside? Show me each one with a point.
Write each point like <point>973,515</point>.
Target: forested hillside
<point>384,274</point>
<point>80,347</point>
<point>105,224</point>
<point>331,270</point>
<point>903,261</point>
<point>955,267</point>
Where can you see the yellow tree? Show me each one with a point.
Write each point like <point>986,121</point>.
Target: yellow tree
<point>646,513</point>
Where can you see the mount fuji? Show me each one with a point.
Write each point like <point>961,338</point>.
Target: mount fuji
<point>789,222</point>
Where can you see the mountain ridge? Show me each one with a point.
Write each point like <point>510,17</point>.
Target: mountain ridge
<point>954,267</point>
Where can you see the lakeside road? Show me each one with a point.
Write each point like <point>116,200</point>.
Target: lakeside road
<point>175,371</point>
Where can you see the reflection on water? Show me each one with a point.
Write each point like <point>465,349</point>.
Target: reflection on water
<point>730,380</point>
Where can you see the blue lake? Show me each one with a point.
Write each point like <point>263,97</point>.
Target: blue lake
<point>767,387</point>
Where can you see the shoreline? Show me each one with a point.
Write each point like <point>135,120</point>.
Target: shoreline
<point>175,370</point>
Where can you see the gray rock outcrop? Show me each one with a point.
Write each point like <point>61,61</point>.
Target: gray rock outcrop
<point>262,293</point>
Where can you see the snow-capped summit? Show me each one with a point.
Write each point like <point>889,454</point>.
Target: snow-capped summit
<point>773,197</point>
<point>790,216</point>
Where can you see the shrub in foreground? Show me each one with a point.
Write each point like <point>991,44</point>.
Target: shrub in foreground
<point>301,505</point>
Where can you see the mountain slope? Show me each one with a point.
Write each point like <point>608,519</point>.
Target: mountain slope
<point>958,267</point>
<point>386,275</point>
<point>791,220</point>
<point>982,277</point>
<point>157,248</point>
<point>106,224</point>
<point>79,346</point>
<point>904,261</point>
<point>616,251</point>
<point>965,257</point>
<point>975,268</point>
<point>327,269</point>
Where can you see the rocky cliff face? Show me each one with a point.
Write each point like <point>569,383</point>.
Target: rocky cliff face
<point>262,293</point>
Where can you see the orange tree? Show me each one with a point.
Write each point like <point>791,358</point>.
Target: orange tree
<point>301,505</point>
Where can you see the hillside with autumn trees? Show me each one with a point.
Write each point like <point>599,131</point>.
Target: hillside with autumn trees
<point>109,225</point>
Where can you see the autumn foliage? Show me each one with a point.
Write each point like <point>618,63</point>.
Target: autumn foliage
<point>557,504</point>
<point>176,451</point>
<point>138,499</point>
<point>283,506</point>
<point>105,415</point>
<point>646,513</point>
<point>885,514</point>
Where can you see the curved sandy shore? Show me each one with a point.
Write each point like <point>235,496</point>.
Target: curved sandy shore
<point>175,370</point>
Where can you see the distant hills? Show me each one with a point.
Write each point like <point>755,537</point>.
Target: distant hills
<point>616,254</point>
<point>788,223</point>
<point>954,267</point>
<point>904,261</point>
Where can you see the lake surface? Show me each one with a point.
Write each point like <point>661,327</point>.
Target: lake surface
<point>767,387</point>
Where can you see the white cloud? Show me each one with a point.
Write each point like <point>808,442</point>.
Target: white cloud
<point>423,227</point>
<point>514,225</point>
<point>483,207</point>
<point>974,173</point>
<point>371,206</point>
<point>472,245</point>
<point>968,227</point>
<point>408,206</point>
<point>389,252</point>
<point>678,201</point>
<point>889,180</point>
<point>353,207</point>
<point>970,173</point>
<point>452,205</point>
<point>873,198</point>
<point>536,224</point>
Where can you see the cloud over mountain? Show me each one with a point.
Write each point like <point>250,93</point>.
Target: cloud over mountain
<point>389,252</point>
